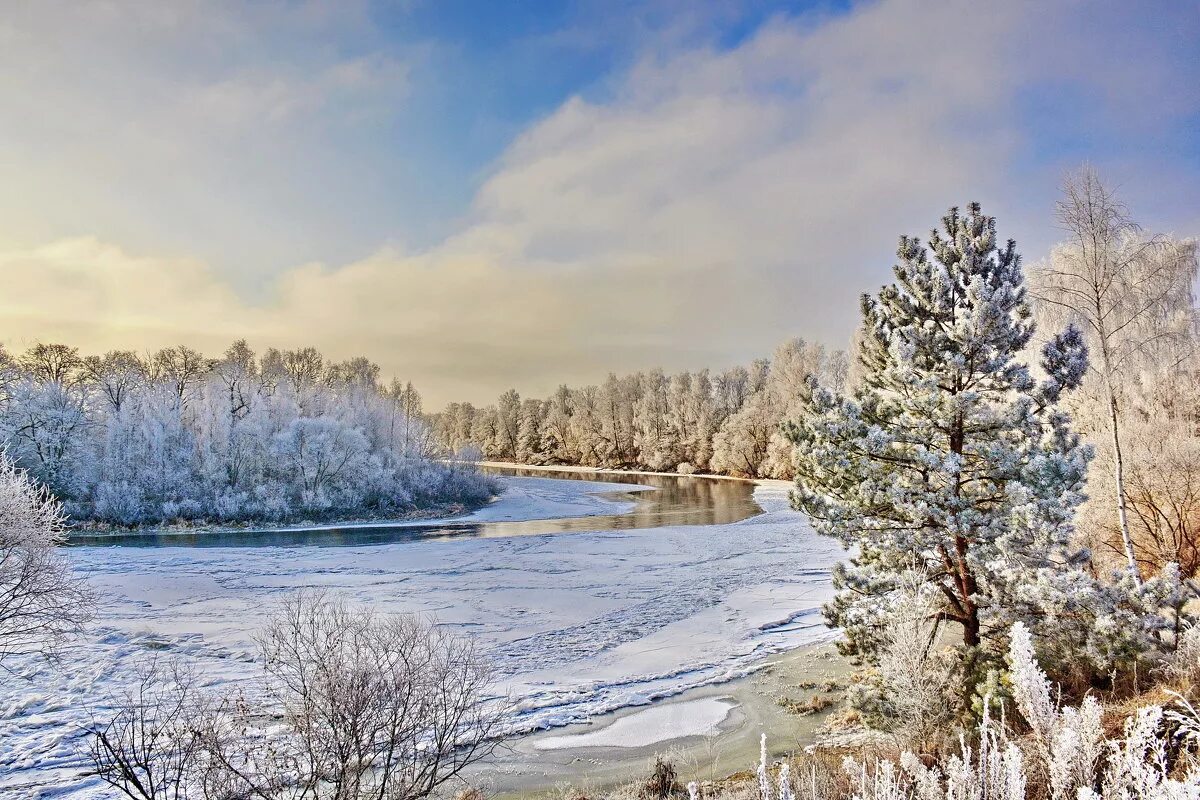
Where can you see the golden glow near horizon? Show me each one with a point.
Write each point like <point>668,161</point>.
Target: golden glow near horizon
<point>708,204</point>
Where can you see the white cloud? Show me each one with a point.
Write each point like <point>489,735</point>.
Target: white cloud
<point>716,203</point>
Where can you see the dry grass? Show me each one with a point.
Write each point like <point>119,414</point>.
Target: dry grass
<point>813,705</point>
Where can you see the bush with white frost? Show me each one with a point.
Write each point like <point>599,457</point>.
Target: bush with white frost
<point>355,705</point>
<point>127,440</point>
<point>41,599</point>
<point>1066,752</point>
<point>911,691</point>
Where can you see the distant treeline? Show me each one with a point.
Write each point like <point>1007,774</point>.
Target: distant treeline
<point>726,423</point>
<point>126,439</point>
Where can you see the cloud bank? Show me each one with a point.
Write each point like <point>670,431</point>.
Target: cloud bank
<point>709,203</point>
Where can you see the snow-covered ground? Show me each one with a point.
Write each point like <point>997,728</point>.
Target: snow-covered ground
<point>656,724</point>
<point>578,624</point>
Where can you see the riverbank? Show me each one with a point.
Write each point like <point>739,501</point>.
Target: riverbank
<point>609,471</point>
<point>518,501</point>
<point>707,733</point>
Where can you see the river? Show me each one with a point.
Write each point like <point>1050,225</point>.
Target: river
<point>590,598</point>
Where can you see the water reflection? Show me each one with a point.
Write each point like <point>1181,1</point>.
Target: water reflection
<point>674,501</point>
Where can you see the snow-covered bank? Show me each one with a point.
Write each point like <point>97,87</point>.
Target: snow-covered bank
<point>521,500</point>
<point>578,624</point>
<point>553,498</point>
<point>552,468</point>
<point>656,724</point>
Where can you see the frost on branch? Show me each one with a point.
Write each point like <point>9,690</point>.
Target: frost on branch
<point>41,600</point>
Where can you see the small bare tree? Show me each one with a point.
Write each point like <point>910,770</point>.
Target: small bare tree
<point>1129,293</point>
<point>357,706</point>
<point>150,749</point>
<point>41,599</point>
<point>384,707</point>
<point>916,677</point>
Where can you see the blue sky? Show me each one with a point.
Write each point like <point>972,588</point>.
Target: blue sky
<point>439,185</point>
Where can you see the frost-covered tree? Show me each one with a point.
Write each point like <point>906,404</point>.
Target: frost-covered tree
<point>687,422</point>
<point>656,440</point>
<point>115,375</point>
<point>45,428</point>
<point>181,368</point>
<point>529,431</point>
<point>1130,295</point>
<point>949,461</point>
<point>508,425</point>
<point>558,441</point>
<point>185,437</point>
<point>41,600</point>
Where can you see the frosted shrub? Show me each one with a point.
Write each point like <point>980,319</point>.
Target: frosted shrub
<point>1066,751</point>
<point>271,501</point>
<point>120,502</point>
<point>185,508</point>
<point>1067,741</point>
<point>315,500</point>
<point>1137,764</point>
<point>912,693</point>
<point>1185,665</point>
<point>232,505</point>
<point>781,789</point>
<point>884,782</point>
<point>785,783</point>
<point>763,771</point>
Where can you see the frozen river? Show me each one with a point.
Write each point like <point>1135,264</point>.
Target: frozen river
<point>590,597</point>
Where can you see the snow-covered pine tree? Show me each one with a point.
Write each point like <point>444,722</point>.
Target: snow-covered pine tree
<point>950,462</point>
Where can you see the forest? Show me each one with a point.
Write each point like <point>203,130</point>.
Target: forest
<point>726,423</point>
<point>176,436</point>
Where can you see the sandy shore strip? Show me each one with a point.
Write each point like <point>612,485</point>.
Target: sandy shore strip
<point>707,733</point>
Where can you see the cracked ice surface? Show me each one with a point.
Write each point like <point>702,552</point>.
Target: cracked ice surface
<point>578,624</point>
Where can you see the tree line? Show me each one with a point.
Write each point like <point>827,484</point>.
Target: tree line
<point>728,423</point>
<point>127,439</point>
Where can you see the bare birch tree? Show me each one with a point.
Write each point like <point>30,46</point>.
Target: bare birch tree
<point>1129,293</point>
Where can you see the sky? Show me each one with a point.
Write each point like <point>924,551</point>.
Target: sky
<point>484,195</point>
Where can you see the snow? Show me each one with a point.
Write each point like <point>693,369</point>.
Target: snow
<point>656,724</point>
<point>552,498</point>
<point>578,624</point>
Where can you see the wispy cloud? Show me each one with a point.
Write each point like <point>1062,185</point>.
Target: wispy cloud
<point>712,202</point>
